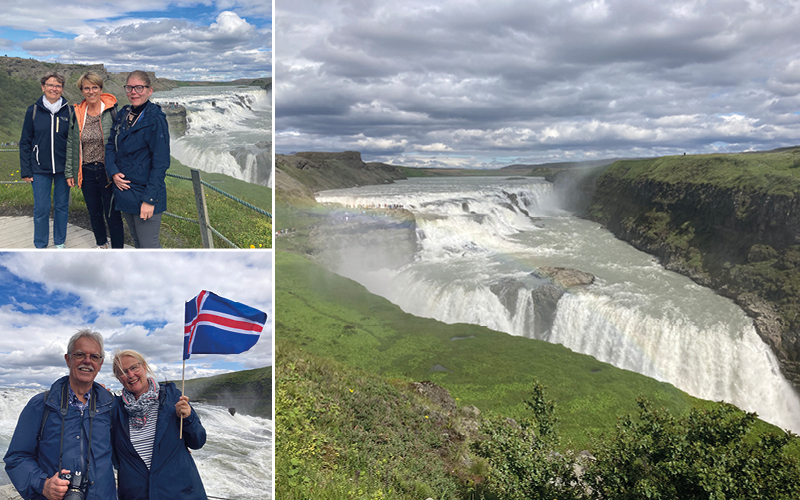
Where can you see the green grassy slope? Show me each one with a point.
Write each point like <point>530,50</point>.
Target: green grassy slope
<point>249,391</point>
<point>331,316</point>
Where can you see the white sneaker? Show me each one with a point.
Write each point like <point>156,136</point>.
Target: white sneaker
<point>103,246</point>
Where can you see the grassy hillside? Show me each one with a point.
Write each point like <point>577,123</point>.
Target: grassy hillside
<point>248,391</point>
<point>331,316</point>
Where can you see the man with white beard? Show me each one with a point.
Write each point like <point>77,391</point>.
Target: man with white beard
<point>49,454</point>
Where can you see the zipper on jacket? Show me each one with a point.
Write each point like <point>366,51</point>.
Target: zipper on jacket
<point>53,122</point>
<point>36,150</point>
<point>80,438</point>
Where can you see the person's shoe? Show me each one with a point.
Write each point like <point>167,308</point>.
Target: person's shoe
<point>61,246</point>
<point>103,246</point>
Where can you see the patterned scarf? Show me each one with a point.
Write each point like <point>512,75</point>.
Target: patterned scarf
<point>140,409</point>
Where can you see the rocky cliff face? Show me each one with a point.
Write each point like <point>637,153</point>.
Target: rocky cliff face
<point>743,242</point>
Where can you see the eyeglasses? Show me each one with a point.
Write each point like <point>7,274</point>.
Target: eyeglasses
<point>51,86</point>
<point>131,369</point>
<point>138,88</point>
<point>91,89</point>
<point>80,356</point>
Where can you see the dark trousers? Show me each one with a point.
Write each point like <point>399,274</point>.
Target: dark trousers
<point>97,193</point>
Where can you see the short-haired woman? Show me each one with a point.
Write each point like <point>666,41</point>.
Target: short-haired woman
<point>42,159</point>
<point>86,150</point>
<point>153,460</point>
<point>137,159</point>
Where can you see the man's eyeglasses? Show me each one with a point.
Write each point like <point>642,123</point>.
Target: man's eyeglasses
<point>91,89</point>
<point>138,88</point>
<point>134,368</point>
<point>80,356</point>
<point>51,86</point>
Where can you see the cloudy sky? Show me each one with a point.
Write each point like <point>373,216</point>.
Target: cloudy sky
<point>481,84</point>
<point>134,299</point>
<point>218,40</point>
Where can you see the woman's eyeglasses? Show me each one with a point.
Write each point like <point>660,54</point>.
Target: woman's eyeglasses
<point>138,88</point>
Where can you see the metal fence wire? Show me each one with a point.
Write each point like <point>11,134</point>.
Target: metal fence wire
<point>202,213</point>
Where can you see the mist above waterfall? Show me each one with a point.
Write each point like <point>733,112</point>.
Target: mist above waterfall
<point>479,245</point>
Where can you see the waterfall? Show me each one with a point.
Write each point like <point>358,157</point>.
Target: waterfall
<point>228,131</point>
<point>481,245</point>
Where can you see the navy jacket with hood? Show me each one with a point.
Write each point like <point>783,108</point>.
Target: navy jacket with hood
<point>173,474</point>
<point>141,153</point>
<point>43,143</point>
<point>29,462</point>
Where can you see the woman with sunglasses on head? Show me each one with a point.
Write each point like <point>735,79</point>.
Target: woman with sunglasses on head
<point>42,159</point>
<point>153,460</point>
<point>86,149</point>
<point>137,159</point>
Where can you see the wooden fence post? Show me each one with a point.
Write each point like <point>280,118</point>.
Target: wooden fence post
<point>202,212</point>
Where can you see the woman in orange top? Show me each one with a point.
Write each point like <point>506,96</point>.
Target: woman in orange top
<point>86,159</point>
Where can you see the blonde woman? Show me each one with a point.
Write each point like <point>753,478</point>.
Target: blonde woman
<point>86,150</point>
<point>154,463</point>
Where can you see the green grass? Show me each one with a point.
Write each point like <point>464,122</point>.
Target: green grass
<point>774,172</point>
<point>249,391</point>
<point>245,227</point>
<point>331,316</point>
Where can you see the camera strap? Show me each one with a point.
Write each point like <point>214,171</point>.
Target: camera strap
<point>92,413</point>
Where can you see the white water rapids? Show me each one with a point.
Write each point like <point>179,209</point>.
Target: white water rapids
<point>228,130</point>
<point>480,242</point>
<point>235,463</point>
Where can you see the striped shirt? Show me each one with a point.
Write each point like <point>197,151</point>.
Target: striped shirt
<point>142,439</point>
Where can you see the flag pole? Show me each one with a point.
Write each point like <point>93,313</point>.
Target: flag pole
<point>183,386</point>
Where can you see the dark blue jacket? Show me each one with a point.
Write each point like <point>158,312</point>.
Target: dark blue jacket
<point>29,464</point>
<point>173,474</point>
<point>141,153</point>
<point>43,143</point>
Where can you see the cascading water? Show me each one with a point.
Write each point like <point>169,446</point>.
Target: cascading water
<point>228,130</point>
<point>481,245</point>
<point>235,463</point>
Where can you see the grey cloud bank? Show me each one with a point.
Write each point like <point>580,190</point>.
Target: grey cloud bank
<point>477,84</point>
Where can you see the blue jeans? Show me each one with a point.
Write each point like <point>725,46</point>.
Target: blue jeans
<point>42,183</point>
<point>97,193</point>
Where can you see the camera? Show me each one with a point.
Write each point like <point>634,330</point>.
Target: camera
<point>77,485</point>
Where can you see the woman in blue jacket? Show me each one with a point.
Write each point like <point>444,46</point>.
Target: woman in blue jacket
<point>42,157</point>
<point>137,159</point>
<point>154,462</point>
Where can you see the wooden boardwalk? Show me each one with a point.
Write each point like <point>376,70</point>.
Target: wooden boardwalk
<point>17,233</point>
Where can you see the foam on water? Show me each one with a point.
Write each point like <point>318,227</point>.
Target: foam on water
<point>481,242</point>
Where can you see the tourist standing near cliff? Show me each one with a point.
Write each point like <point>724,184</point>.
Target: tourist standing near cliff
<point>137,159</point>
<point>85,168</point>
<point>42,158</point>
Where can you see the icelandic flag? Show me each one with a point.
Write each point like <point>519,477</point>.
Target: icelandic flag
<point>216,325</point>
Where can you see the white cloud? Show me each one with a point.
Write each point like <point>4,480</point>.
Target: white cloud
<point>134,299</point>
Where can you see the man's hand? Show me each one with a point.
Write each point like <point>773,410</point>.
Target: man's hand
<point>55,488</point>
<point>121,183</point>
<point>71,182</point>
<point>27,179</point>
